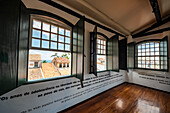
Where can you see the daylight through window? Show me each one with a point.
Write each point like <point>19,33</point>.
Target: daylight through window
<point>148,55</point>
<point>101,54</point>
<point>49,54</point>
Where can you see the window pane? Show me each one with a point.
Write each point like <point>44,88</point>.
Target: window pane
<point>139,54</point>
<point>98,51</point>
<point>147,45</point>
<point>35,43</point>
<point>152,53</point>
<point>147,54</point>
<point>60,46</point>
<point>36,33</point>
<point>152,44</point>
<point>67,33</point>
<point>156,53</point>
<point>139,58</point>
<point>61,38</point>
<point>45,44</point>
<point>98,46</point>
<point>45,35</point>
<point>67,40</point>
<point>53,29</point>
<point>156,44</point>
<point>156,49</point>
<point>53,37</point>
<point>53,45</point>
<point>36,24</point>
<point>61,31</point>
<point>102,42</point>
<point>67,47</point>
<point>139,47</point>
<point>98,41</point>
<point>102,46</point>
<point>143,46</point>
<point>46,26</point>
<point>143,54</point>
<point>156,58</point>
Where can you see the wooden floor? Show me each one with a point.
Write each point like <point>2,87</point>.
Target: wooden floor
<point>126,98</point>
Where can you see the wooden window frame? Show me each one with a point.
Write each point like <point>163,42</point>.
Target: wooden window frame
<point>145,56</point>
<point>50,33</point>
<point>100,46</point>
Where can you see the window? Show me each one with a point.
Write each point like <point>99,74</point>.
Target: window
<point>101,54</point>
<point>149,55</point>
<point>49,49</point>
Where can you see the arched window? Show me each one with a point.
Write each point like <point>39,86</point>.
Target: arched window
<point>50,41</point>
<point>152,55</point>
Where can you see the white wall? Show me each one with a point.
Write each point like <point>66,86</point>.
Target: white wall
<point>152,79</point>
<point>57,95</point>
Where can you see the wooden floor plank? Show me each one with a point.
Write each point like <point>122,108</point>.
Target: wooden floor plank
<point>126,98</point>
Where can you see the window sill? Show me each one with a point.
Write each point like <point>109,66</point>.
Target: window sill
<point>150,72</point>
<point>47,79</point>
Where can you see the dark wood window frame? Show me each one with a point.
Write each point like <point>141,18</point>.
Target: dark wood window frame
<point>50,33</point>
<point>158,55</point>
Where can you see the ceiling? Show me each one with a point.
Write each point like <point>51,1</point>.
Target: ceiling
<point>126,16</point>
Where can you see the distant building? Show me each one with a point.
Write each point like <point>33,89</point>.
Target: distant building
<point>61,62</point>
<point>34,61</point>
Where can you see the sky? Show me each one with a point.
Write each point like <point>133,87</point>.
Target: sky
<point>46,55</point>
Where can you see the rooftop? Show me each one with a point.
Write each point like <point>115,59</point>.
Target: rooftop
<point>34,57</point>
<point>61,60</point>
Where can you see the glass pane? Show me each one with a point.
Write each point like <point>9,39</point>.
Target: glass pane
<point>156,44</point>
<point>156,58</point>
<point>60,46</point>
<point>45,44</point>
<point>139,58</point>
<point>152,53</point>
<point>102,46</point>
<point>67,40</point>
<point>143,54</point>
<point>143,50</point>
<point>36,24</point>
<point>53,29</point>
<point>147,45</point>
<point>139,54</point>
<point>53,37</point>
<point>139,50</point>
<point>61,39</point>
<point>53,45</point>
<point>147,58</point>
<point>98,41</point>
<point>98,46</point>
<point>35,43</point>
<point>156,49</point>
<point>45,35</point>
<point>67,33</point>
<point>98,51</point>
<point>143,46</point>
<point>147,54</point>
<point>46,26</point>
<point>143,58</point>
<point>36,33</point>
<point>102,42</point>
<point>152,49</point>
<point>152,44</point>
<point>139,46</point>
<point>151,58</point>
<point>61,31</point>
<point>156,53</point>
<point>67,47</point>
